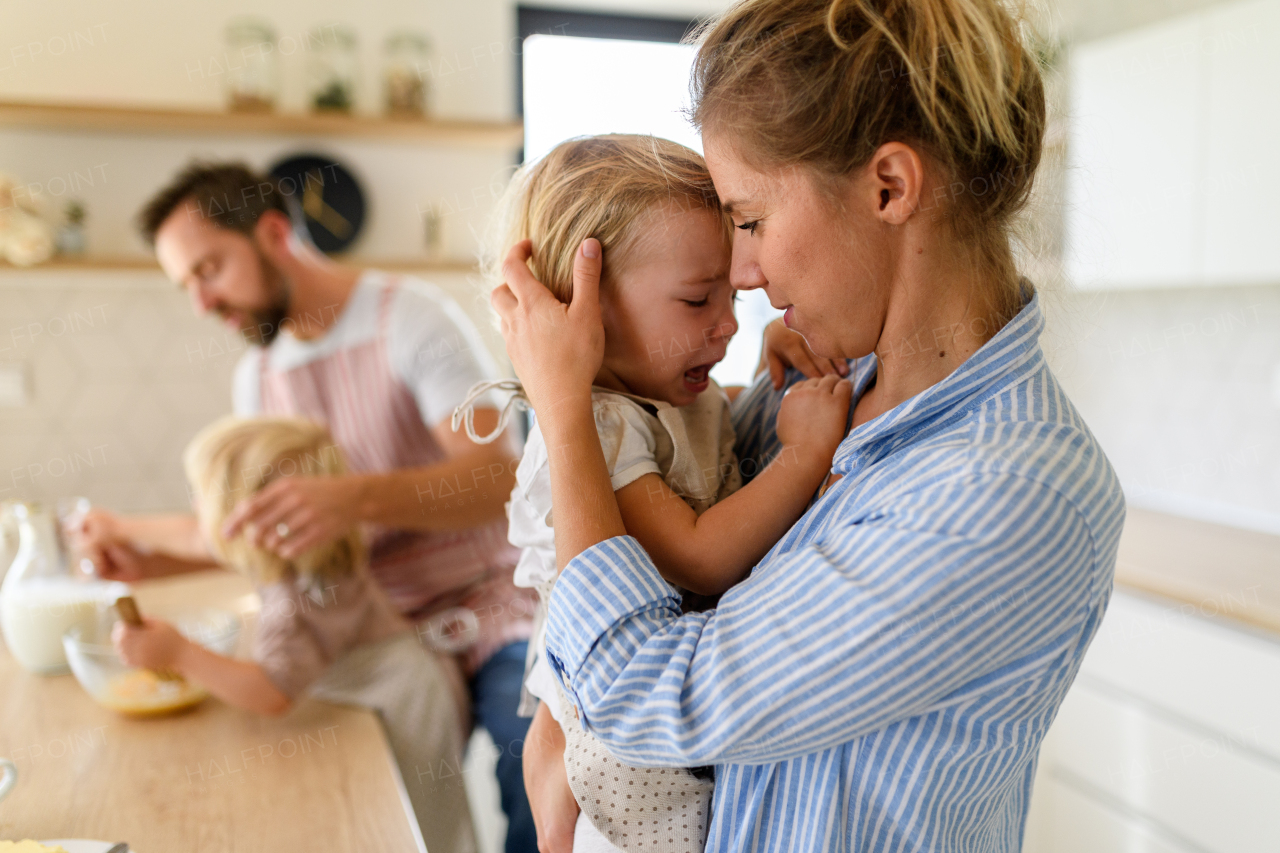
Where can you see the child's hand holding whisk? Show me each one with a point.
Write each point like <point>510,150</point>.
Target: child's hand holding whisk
<point>155,644</point>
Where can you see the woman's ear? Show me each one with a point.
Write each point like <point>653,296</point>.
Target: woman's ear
<point>897,177</point>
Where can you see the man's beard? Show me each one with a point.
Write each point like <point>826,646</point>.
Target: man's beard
<point>263,325</point>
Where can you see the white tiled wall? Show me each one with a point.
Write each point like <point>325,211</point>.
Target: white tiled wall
<point>117,384</point>
<point>1180,387</point>
<point>120,374</point>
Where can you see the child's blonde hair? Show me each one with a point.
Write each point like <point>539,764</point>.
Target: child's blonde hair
<point>234,458</point>
<point>594,186</point>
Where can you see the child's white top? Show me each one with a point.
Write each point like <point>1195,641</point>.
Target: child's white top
<point>689,447</point>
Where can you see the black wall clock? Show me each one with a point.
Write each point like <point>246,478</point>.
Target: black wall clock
<point>327,196</point>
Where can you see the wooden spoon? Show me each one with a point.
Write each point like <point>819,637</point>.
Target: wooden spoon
<point>128,610</point>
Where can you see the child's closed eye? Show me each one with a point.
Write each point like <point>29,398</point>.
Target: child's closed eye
<point>695,303</point>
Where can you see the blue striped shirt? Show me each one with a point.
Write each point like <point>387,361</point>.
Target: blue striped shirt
<point>883,679</point>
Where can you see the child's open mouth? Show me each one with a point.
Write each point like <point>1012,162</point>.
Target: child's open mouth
<point>697,379</point>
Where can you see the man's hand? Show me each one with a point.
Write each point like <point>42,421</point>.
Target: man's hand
<point>292,515</point>
<point>555,812</point>
<point>783,348</point>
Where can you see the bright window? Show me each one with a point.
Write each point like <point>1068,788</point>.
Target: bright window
<point>581,86</point>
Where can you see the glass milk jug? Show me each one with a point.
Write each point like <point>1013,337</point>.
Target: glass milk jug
<point>40,599</point>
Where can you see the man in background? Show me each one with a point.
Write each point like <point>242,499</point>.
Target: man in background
<point>382,361</point>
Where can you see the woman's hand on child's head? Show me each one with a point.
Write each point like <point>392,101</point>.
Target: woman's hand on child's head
<point>556,349</point>
<point>783,348</point>
<point>155,644</point>
<point>813,416</point>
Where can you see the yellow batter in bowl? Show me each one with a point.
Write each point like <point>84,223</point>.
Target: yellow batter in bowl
<point>28,846</point>
<point>143,693</point>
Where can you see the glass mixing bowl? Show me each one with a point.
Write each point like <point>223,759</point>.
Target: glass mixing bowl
<point>141,692</point>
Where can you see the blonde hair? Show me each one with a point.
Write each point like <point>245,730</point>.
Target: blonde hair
<point>233,458</point>
<point>825,83</point>
<point>595,186</point>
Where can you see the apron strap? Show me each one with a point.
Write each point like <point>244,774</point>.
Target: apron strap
<point>465,413</point>
<point>384,304</point>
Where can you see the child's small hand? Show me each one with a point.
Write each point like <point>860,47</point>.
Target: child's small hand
<point>813,416</point>
<point>783,348</point>
<point>154,644</point>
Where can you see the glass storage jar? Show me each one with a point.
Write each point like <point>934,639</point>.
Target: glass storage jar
<point>405,71</point>
<point>332,68</point>
<point>253,75</point>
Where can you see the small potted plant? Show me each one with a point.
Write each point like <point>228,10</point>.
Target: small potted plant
<point>71,236</point>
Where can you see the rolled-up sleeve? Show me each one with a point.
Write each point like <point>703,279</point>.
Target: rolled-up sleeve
<point>881,620</point>
<point>605,587</point>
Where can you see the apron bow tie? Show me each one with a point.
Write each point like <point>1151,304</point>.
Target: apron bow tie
<point>465,413</point>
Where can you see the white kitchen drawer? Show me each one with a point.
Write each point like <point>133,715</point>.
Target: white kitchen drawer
<point>1077,822</point>
<point>1210,674</point>
<point>1215,793</point>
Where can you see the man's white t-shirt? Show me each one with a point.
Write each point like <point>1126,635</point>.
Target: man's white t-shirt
<point>432,346</point>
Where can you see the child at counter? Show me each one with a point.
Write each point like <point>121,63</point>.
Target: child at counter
<point>324,628</point>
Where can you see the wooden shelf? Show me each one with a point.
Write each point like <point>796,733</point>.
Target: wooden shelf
<point>103,119</point>
<point>144,263</point>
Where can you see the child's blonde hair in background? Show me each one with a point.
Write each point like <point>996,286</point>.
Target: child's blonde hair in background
<point>594,186</point>
<point>234,458</point>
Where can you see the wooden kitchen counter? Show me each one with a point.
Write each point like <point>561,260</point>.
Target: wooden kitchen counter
<point>1204,569</point>
<point>213,779</point>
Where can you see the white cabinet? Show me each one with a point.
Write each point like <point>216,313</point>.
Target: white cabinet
<point>1242,169</point>
<point>1132,153</point>
<point>1169,742</point>
<point>1080,823</point>
<point>1172,176</point>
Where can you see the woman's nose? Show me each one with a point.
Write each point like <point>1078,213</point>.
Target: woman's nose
<point>744,268</point>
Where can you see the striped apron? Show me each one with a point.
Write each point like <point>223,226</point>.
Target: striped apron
<point>457,585</point>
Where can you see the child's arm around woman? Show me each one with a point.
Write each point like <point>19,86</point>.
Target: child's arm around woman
<point>709,553</point>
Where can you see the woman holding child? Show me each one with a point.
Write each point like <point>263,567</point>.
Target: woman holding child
<point>882,677</point>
